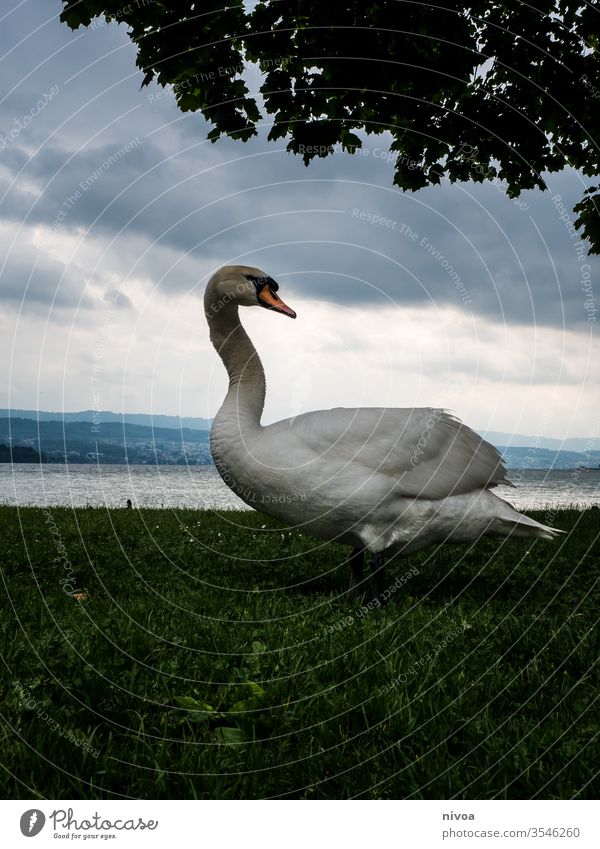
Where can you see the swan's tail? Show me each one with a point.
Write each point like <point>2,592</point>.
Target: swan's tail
<point>514,524</point>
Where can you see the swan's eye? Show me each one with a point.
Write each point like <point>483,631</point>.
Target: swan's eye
<point>261,282</point>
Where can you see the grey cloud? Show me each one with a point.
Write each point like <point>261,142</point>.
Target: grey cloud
<point>331,237</point>
<point>42,285</point>
<point>118,299</point>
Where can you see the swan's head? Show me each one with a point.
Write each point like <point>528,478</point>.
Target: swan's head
<point>245,286</point>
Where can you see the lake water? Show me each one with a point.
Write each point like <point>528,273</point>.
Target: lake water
<point>201,487</point>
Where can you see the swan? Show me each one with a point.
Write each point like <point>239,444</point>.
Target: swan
<point>382,480</point>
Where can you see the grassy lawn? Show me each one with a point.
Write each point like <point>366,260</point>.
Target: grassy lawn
<point>214,656</point>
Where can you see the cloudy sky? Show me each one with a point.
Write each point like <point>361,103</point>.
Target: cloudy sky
<point>115,211</point>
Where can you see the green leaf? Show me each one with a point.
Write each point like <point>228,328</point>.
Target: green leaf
<point>256,691</point>
<point>255,701</point>
<point>588,220</point>
<point>351,141</point>
<point>230,736</point>
<point>188,703</point>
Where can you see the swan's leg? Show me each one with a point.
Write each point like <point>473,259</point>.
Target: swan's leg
<point>378,569</point>
<point>356,571</point>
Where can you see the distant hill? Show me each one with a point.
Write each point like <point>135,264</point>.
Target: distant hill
<point>107,442</point>
<point>520,440</point>
<point>545,458</point>
<point>146,419</point>
<point>22,429</point>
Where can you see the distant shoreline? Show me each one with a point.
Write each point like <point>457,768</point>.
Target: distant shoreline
<point>210,464</point>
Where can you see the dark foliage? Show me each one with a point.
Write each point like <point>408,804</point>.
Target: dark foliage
<point>20,454</point>
<point>482,91</point>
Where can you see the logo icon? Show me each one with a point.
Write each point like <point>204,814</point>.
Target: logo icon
<point>32,822</point>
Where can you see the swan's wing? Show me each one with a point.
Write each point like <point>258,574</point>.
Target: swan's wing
<point>426,452</point>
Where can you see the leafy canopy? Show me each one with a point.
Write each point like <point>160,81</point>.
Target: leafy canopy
<point>482,91</point>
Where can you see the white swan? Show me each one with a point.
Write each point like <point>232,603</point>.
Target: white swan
<point>379,479</point>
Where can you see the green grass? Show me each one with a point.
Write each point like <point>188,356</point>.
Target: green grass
<point>216,658</point>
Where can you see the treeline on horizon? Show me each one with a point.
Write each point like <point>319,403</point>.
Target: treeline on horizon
<point>105,442</point>
<point>21,454</point>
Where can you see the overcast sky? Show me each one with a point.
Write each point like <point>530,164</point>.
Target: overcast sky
<point>115,211</point>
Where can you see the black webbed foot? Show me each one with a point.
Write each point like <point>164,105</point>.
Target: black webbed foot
<point>378,569</point>
<point>356,571</point>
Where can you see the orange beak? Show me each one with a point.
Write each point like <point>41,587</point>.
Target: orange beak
<point>272,301</point>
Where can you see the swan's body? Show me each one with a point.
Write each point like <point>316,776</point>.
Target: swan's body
<point>381,479</point>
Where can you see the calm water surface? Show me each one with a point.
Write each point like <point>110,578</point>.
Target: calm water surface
<point>77,485</point>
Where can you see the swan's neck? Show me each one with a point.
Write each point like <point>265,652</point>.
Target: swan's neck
<point>245,398</point>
